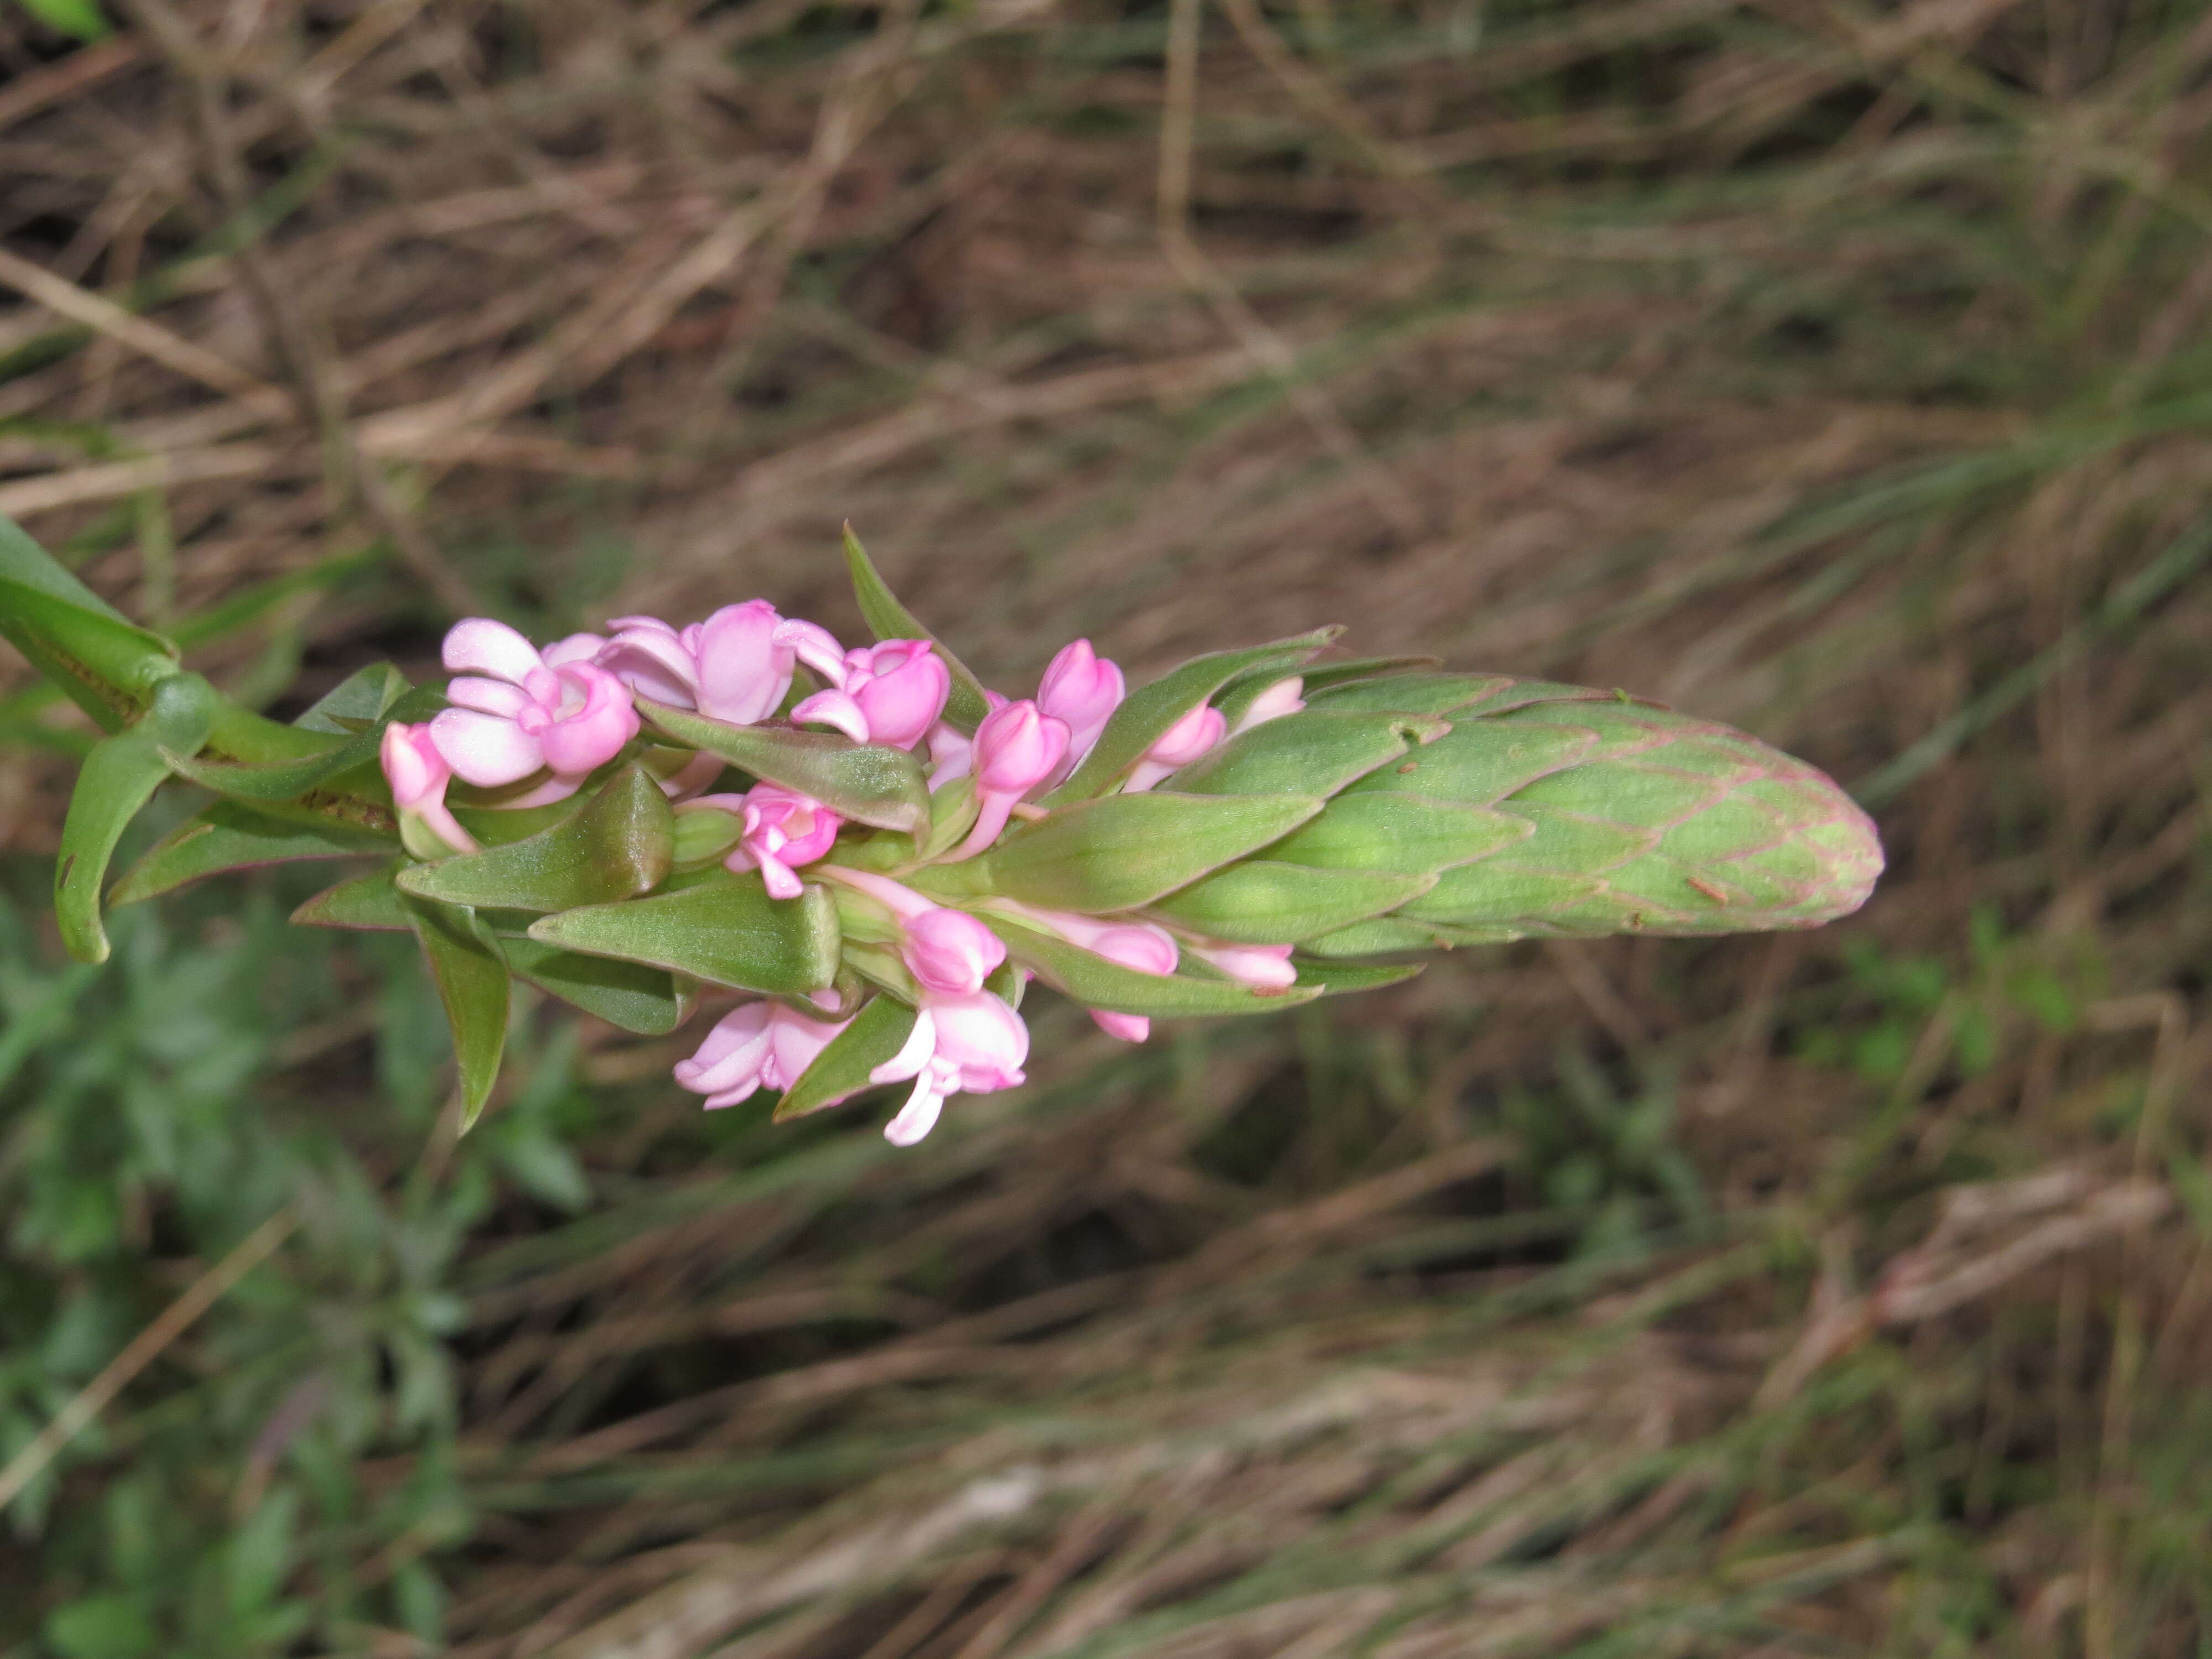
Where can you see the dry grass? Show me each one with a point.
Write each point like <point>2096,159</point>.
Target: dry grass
<point>1840,371</point>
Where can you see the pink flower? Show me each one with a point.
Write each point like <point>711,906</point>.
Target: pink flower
<point>765,1044</point>
<point>1140,944</point>
<point>1017,749</point>
<point>782,828</point>
<point>1178,746</point>
<point>945,950</point>
<point>891,693</point>
<point>518,712</point>
<point>974,1042</point>
<point>1083,689</point>
<point>735,668</point>
<point>418,774</point>
<point>1256,964</point>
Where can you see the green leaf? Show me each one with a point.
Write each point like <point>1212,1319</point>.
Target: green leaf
<point>1146,713</point>
<point>1320,676</point>
<point>229,836</point>
<point>841,1071</point>
<point>648,1001</point>
<point>371,903</point>
<point>119,777</point>
<point>288,779</point>
<point>1095,983</point>
<point>1120,852</point>
<point>1337,978</point>
<point>1262,903</point>
<point>106,664</point>
<point>471,976</point>
<point>726,931</point>
<point>1409,834</point>
<point>619,844</point>
<point>80,18</point>
<point>1313,752</point>
<point>871,783</point>
<point>889,620</point>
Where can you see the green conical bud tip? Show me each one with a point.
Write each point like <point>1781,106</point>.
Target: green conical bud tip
<point>1556,810</point>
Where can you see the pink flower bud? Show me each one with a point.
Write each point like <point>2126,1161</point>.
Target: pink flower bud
<point>1255,965</point>
<point>1283,697</point>
<point>1083,689</point>
<point>1017,748</point>
<point>1178,746</point>
<point>418,774</point>
<point>949,950</point>
<point>765,1044</point>
<point>902,692</point>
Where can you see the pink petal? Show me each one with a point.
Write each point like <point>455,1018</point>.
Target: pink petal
<point>654,663</point>
<point>917,1117</point>
<point>594,733</point>
<point>833,709</point>
<point>483,749</point>
<point>490,647</point>
<point>903,704</point>
<point>577,647</point>
<point>921,1044</point>
<point>743,673</point>
<point>1129,1028</point>
<point>489,697</point>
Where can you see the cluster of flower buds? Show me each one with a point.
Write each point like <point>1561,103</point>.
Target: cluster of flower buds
<point>877,856</point>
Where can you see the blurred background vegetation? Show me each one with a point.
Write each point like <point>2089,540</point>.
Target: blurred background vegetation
<point>1840,368</point>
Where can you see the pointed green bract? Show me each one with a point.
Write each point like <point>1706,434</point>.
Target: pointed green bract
<point>889,620</point>
<point>1123,851</point>
<point>841,1071</point>
<point>119,776</point>
<point>356,703</point>
<point>1412,834</point>
<point>1146,713</point>
<point>1336,979</point>
<point>1259,902</point>
<point>1096,982</point>
<point>645,1001</point>
<point>289,779</point>
<point>469,971</point>
<point>229,836</point>
<point>726,931</point>
<point>619,844</point>
<point>871,783</point>
<point>1316,752</point>
<point>370,904</point>
<point>1419,693</point>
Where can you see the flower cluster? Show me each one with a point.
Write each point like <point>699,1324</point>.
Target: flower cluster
<point>528,727</point>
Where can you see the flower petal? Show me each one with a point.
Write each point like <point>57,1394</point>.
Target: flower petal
<point>491,696</point>
<point>833,709</point>
<point>479,644</point>
<point>483,749</point>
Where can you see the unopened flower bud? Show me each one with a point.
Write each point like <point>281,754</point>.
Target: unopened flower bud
<point>1178,746</point>
<point>1083,689</point>
<point>418,775</point>
<point>1017,749</point>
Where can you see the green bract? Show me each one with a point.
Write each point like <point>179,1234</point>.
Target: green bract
<point>1400,810</point>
